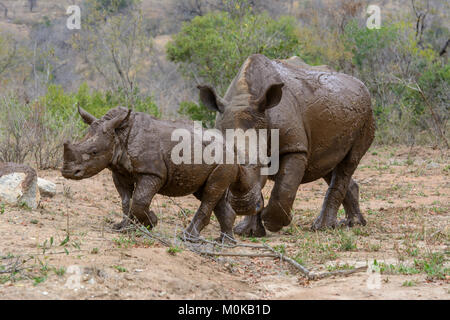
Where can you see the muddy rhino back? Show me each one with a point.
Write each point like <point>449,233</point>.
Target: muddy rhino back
<point>184,178</point>
<point>322,113</point>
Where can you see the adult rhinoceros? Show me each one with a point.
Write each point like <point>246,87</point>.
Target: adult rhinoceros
<point>325,123</point>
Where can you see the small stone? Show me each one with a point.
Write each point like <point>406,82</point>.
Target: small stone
<point>46,188</point>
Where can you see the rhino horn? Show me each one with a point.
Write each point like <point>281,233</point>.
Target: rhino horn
<point>69,155</point>
<point>86,116</point>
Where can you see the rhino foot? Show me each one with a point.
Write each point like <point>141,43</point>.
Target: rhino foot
<point>251,226</point>
<point>350,222</point>
<point>148,219</point>
<point>121,226</point>
<point>324,223</point>
<point>275,217</point>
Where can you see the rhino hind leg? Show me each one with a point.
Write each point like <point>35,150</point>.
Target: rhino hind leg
<point>353,215</point>
<point>340,181</point>
<point>211,195</point>
<point>251,226</point>
<point>226,216</point>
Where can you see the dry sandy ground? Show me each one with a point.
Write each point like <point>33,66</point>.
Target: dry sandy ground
<point>404,195</point>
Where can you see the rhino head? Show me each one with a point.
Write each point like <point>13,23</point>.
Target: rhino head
<point>96,150</point>
<point>244,111</point>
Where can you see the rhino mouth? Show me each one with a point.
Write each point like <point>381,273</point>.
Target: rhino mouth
<point>76,174</point>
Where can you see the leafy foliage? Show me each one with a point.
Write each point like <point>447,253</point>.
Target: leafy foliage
<point>213,47</point>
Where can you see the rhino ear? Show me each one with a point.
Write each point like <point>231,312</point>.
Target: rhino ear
<point>271,97</point>
<point>86,116</point>
<point>210,99</point>
<point>116,121</point>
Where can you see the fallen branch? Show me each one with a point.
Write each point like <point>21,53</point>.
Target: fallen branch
<point>323,275</point>
<point>297,265</point>
<point>238,254</point>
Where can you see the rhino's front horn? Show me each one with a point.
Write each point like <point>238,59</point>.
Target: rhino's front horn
<point>86,116</point>
<point>68,153</point>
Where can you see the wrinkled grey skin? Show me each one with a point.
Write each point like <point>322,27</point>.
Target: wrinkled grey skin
<point>326,126</point>
<point>136,147</point>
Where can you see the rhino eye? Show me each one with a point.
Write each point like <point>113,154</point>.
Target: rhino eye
<point>94,153</point>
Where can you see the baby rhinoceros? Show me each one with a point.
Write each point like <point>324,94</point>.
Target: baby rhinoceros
<point>137,148</point>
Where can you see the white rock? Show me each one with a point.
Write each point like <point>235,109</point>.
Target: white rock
<point>46,188</point>
<point>11,190</point>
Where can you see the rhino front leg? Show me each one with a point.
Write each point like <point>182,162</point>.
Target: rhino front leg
<point>146,188</point>
<point>277,214</point>
<point>125,188</point>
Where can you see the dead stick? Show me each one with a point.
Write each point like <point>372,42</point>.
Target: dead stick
<point>239,254</point>
<point>302,269</point>
<point>336,273</point>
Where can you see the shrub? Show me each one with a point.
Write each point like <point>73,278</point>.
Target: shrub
<point>197,113</point>
<point>214,46</point>
<point>35,131</point>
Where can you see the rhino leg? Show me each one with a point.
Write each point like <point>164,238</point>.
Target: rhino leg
<point>125,189</point>
<point>353,215</point>
<point>146,188</point>
<point>226,216</point>
<point>213,191</point>
<point>251,226</point>
<point>337,192</point>
<point>277,214</point>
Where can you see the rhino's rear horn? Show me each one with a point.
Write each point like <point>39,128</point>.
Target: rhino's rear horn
<point>86,116</point>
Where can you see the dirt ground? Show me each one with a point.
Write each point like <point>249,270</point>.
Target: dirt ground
<point>66,249</point>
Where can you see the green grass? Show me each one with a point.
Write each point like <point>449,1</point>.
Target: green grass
<point>338,266</point>
<point>60,271</point>
<point>347,241</point>
<point>38,280</point>
<point>124,242</point>
<point>432,264</point>
<point>281,248</point>
<point>174,250</point>
<point>120,269</point>
<point>409,283</point>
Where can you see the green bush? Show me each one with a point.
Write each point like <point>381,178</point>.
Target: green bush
<point>35,131</point>
<point>197,113</point>
<point>214,46</point>
<point>62,104</point>
<point>397,70</point>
